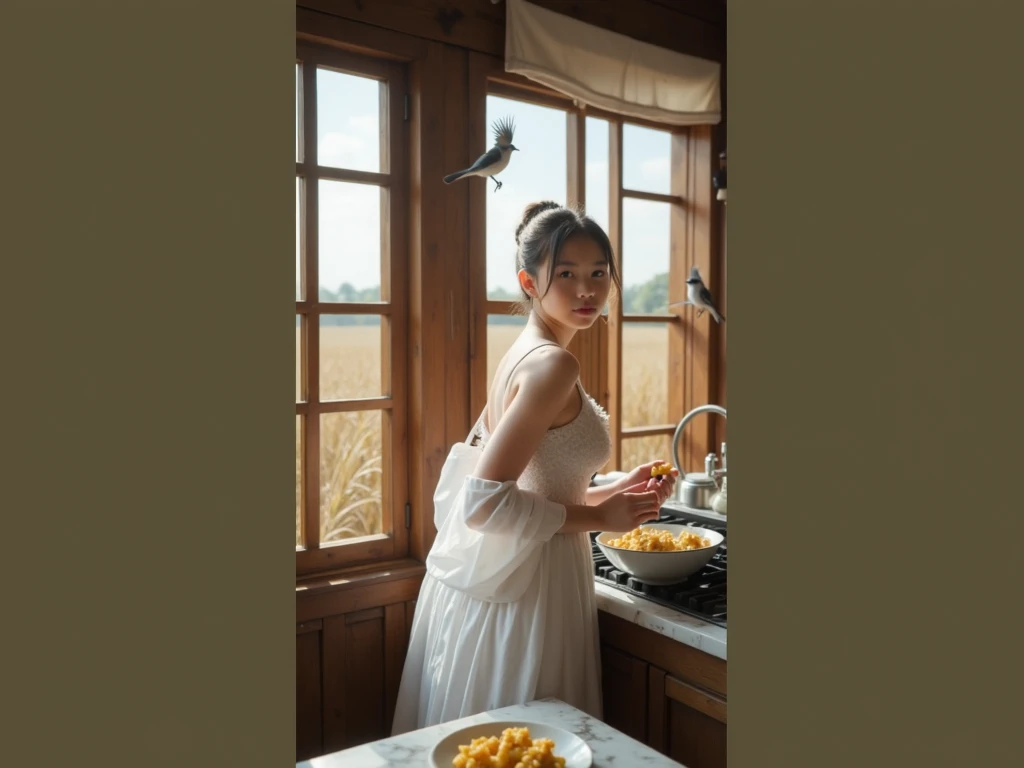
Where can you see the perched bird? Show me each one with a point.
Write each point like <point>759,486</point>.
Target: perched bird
<point>699,296</point>
<point>494,160</point>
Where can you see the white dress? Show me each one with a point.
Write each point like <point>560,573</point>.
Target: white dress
<point>468,656</point>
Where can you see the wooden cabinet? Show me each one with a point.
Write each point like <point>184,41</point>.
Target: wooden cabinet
<point>308,690</point>
<point>350,645</point>
<point>664,694</point>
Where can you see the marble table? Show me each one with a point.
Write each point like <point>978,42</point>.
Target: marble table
<point>612,749</point>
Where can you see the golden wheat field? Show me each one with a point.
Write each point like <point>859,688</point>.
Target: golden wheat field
<point>350,466</point>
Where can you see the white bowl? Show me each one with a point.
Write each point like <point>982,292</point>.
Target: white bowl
<point>662,568</point>
<point>568,745</point>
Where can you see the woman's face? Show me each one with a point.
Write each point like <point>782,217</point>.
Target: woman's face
<point>579,286</point>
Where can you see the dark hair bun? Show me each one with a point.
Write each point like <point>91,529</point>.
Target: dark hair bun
<point>532,211</point>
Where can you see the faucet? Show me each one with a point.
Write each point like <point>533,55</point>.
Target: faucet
<point>711,459</point>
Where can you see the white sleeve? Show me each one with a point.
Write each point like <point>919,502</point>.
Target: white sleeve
<point>505,509</point>
<point>490,537</point>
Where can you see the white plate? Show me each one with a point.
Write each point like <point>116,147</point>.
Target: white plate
<point>568,745</point>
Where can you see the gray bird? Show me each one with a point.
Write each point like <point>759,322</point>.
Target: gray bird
<point>494,160</point>
<point>699,296</point>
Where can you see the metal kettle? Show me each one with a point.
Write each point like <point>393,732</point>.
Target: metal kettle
<point>695,489</point>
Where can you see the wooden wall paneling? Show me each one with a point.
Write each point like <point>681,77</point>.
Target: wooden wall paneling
<point>477,136</point>
<point>427,295</point>
<point>480,26</point>
<point>719,363</point>
<point>308,694</point>
<point>338,32</point>
<point>472,24</point>
<point>457,154</point>
<point>701,353</point>
<point>322,603</point>
<point>691,229</point>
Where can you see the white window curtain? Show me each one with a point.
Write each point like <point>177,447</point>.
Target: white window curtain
<point>610,71</point>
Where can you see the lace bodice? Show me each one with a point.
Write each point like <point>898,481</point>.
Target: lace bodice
<point>568,455</point>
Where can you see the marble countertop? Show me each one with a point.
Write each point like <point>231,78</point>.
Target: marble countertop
<point>611,748</point>
<point>709,638</point>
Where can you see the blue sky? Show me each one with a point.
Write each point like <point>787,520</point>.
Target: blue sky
<point>350,213</point>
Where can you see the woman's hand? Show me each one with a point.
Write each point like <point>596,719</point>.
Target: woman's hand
<point>663,484</point>
<point>626,509</point>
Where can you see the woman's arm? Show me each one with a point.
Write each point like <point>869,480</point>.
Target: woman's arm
<point>545,380</point>
<point>599,493</point>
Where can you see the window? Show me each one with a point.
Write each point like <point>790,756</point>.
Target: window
<point>351,298</point>
<point>642,327</point>
<point>648,365</point>
<point>652,355</point>
<point>538,173</point>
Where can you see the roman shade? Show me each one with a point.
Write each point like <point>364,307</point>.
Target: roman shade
<point>608,70</point>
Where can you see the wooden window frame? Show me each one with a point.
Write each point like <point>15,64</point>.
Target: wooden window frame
<point>393,542</point>
<point>692,242</point>
<point>445,239</point>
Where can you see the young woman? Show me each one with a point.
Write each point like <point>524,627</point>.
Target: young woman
<point>543,439</point>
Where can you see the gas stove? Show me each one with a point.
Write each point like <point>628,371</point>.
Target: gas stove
<point>701,596</point>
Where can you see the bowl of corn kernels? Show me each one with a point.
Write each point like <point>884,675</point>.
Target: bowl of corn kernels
<point>660,554</point>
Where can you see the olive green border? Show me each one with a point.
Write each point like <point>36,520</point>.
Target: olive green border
<point>874,274</point>
<point>874,383</point>
<point>147,243</point>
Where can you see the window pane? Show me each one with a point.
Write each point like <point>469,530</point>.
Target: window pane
<point>350,243</point>
<point>350,475</point>
<point>645,256</point>
<point>350,351</point>
<point>537,172</point>
<point>646,155</point>
<point>298,240</point>
<point>298,481</point>
<point>640,450</point>
<point>348,120</point>
<point>300,390</point>
<point>597,170</point>
<point>644,374</point>
<point>502,330</point>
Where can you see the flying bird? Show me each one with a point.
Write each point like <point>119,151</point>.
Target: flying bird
<point>699,296</point>
<point>494,160</point>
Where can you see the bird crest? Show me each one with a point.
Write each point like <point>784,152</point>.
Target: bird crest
<point>503,131</point>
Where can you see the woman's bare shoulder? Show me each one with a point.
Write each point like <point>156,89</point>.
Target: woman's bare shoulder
<point>549,369</point>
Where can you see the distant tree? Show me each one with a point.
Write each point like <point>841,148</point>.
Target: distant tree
<point>646,298</point>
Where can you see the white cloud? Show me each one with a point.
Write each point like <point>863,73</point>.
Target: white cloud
<point>364,125</point>
<point>656,171</point>
<point>340,149</point>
